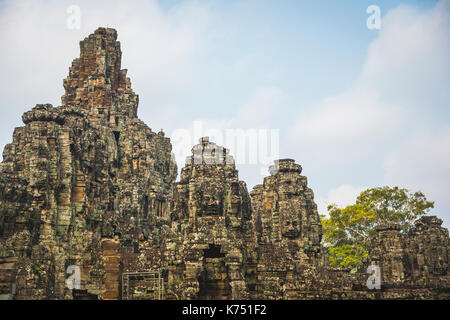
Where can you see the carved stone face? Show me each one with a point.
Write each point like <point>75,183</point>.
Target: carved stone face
<point>290,222</point>
<point>211,204</point>
<point>290,213</point>
<point>235,198</point>
<point>290,228</point>
<point>38,196</point>
<point>210,200</point>
<point>288,188</point>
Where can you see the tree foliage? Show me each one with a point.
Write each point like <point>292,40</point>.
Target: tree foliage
<point>347,230</point>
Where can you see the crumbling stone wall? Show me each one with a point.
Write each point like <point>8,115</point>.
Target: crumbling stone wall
<point>389,253</point>
<point>427,250</point>
<point>413,265</point>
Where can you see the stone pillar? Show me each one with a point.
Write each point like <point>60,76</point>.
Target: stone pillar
<point>111,260</point>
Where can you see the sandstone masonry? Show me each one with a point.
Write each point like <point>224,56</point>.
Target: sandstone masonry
<point>88,184</point>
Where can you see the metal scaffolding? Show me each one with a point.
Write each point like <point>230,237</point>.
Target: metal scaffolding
<point>145,285</point>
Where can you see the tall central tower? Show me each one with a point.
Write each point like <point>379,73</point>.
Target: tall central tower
<point>79,175</point>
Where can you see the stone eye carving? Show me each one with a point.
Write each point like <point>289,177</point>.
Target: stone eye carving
<point>291,228</point>
<point>211,203</point>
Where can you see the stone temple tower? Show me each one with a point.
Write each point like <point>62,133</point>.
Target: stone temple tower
<point>288,229</point>
<point>96,81</point>
<point>285,211</point>
<point>211,253</point>
<point>78,175</point>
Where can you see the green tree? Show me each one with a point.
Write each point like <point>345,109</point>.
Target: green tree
<point>347,230</point>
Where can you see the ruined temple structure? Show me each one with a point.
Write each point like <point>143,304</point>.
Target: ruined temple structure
<point>81,173</point>
<point>288,230</point>
<point>88,187</point>
<point>211,254</point>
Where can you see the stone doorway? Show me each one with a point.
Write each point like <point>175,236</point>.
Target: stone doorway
<point>214,282</point>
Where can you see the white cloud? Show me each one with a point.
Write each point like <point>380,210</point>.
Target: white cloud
<point>423,163</point>
<point>403,90</point>
<point>406,74</point>
<point>157,45</point>
<point>341,196</point>
<point>350,117</point>
<point>409,61</point>
<point>254,115</point>
<point>159,48</point>
<point>258,111</point>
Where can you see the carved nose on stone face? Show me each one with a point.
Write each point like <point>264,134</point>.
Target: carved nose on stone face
<point>291,229</point>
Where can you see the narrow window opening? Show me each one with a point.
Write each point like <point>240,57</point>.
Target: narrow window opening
<point>213,251</point>
<point>117,136</point>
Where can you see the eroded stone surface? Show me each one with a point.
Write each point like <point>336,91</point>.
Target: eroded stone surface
<point>415,260</point>
<point>82,172</point>
<point>211,251</point>
<point>89,184</point>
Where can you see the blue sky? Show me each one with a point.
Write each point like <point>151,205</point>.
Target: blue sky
<point>357,108</point>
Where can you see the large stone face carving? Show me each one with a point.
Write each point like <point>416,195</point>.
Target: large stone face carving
<point>291,222</point>
<point>285,210</point>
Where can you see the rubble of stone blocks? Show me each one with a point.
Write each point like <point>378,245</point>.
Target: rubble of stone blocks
<point>88,184</point>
